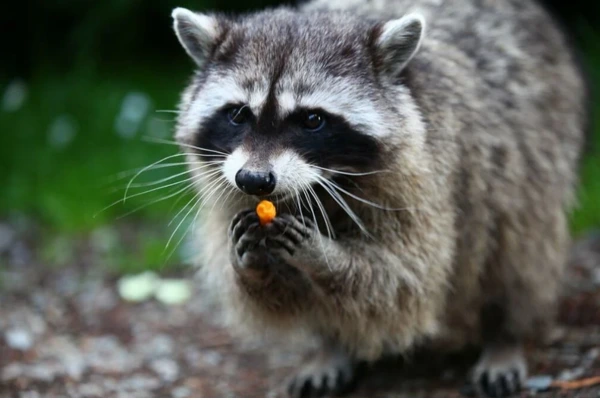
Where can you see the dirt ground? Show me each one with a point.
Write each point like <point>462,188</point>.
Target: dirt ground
<point>66,332</point>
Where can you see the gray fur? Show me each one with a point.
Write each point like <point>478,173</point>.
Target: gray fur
<point>480,137</point>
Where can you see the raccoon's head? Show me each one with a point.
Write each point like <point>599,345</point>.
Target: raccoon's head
<point>288,99</point>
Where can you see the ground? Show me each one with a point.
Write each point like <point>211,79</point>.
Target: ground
<point>64,331</point>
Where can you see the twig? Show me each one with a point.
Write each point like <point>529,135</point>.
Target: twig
<point>581,383</point>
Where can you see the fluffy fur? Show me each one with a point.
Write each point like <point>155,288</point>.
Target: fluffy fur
<point>474,114</point>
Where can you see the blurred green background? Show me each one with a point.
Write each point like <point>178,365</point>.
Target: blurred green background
<point>82,83</point>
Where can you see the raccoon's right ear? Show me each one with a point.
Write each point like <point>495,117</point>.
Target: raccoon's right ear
<point>197,33</point>
<point>397,41</point>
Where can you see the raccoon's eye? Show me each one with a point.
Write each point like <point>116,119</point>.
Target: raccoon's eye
<point>313,121</point>
<point>238,115</point>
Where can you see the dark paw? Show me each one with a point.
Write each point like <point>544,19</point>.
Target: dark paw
<point>498,374</point>
<point>289,233</point>
<point>332,382</point>
<point>499,384</point>
<point>246,236</point>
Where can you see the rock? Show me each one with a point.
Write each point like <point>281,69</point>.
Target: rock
<point>105,354</point>
<point>90,390</point>
<point>19,339</point>
<point>173,291</point>
<point>19,254</point>
<point>539,383</point>
<point>138,383</point>
<point>12,371</point>
<point>7,235</point>
<point>44,372</point>
<point>137,288</point>
<point>30,394</point>
<point>155,347</point>
<point>571,374</point>
<point>166,368</point>
<point>63,349</point>
<point>181,391</point>
<point>212,358</point>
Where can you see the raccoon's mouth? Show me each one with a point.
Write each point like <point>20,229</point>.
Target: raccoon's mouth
<point>276,198</point>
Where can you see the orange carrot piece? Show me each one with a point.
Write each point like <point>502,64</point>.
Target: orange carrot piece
<point>266,212</point>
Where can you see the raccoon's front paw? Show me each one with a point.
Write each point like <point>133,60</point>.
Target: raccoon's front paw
<point>246,237</point>
<point>287,234</point>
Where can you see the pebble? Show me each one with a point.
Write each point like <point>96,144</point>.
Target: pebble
<point>166,368</point>
<point>139,382</point>
<point>19,339</point>
<point>571,374</point>
<point>63,350</point>
<point>105,354</point>
<point>30,394</point>
<point>592,354</point>
<point>212,358</point>
<point>596,276</point>
<point>539,383</point>
<point>44,372</point>
<point>160,345</point>
<point>137,288</point>
<point>12,371</point>
<point>7,235</point>
<point>181,391</point>
<point>90,390</point>
<point>19,255</point>
<point>173,291</point>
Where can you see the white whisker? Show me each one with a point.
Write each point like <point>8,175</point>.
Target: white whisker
<point>342,203</point>
<point>125,174</point>
<point>355,197</point>
<point>198,198</point>
<point>304,187</point>
<point>215,187</point>
<point>328,225</point>
<point>183,191</point>
<point>200,193</point>
<point>224,189</point>
<point>150,166</point>
<point>218,181</point>
<point>169,178</point>
<point>171,142</point>
<point>335,171</point>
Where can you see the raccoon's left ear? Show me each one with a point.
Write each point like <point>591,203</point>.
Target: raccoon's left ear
<point>397,42</point>
<point>197,33</point>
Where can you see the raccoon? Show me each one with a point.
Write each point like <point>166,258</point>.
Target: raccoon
<point>422,155</point>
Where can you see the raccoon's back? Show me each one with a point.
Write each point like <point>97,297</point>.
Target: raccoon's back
<point>499,79</point>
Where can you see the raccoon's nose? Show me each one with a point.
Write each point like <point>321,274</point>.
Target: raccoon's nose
<point>255,183</point>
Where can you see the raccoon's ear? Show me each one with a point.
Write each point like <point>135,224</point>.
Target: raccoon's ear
<point>197,33</point>
<point>398,41</point>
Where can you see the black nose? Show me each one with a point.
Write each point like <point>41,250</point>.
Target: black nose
<point>255,183</point>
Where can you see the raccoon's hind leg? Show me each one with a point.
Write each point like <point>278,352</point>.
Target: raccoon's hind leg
<point>502,368</point>
<point>330,373</point>
<point>522,283</point>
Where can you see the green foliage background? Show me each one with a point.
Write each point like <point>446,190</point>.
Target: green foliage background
<point>74,62</point>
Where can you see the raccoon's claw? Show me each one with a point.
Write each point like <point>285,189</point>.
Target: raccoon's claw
<point>499,373</point>
<point>323,378</point>
<point>289,232</point>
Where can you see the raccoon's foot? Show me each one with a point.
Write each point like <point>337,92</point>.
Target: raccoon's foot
<point>500,372</point>
<point>330,374</point>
